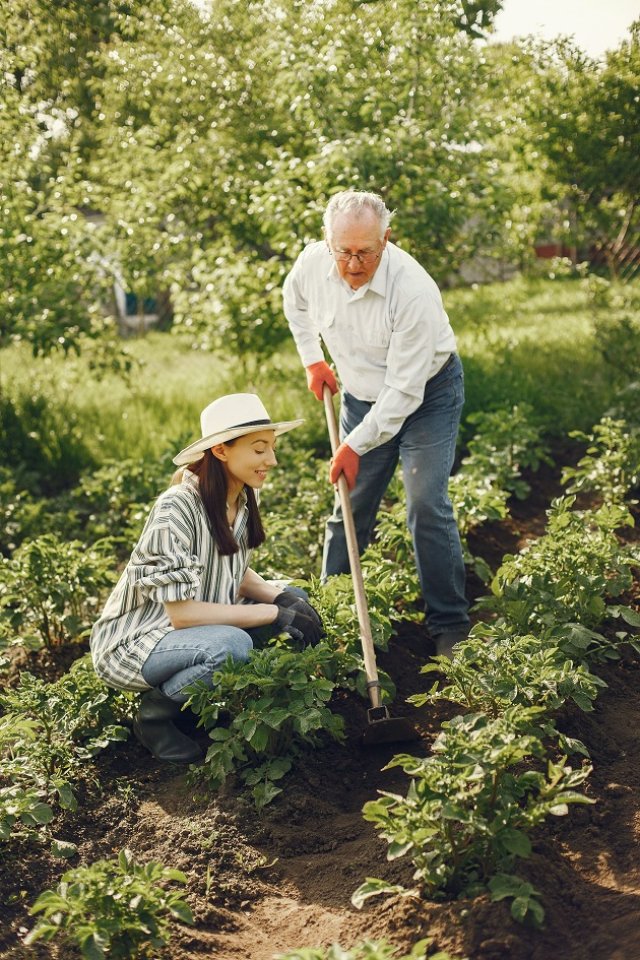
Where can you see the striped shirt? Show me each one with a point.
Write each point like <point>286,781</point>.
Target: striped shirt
<point>176,558</point>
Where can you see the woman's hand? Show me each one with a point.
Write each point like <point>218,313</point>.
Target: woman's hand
<point>290,599</point>
<point>299,626</point>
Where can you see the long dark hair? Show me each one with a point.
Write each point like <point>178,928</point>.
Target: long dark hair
<point>212,482</point>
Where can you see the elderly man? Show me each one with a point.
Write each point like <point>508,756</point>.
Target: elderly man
<point>380,316</point>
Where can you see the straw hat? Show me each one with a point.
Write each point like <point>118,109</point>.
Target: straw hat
<point>229,417</point>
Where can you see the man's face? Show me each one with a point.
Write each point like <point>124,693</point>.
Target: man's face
<point>357,234</point>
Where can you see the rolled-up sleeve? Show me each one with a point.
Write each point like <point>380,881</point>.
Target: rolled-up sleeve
<point>162,568</point>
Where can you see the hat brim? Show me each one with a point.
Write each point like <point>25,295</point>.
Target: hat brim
<point>195,451</point>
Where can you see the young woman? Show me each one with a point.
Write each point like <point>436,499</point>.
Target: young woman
<point>187,598</point>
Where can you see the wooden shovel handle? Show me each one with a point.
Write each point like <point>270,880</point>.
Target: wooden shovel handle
<point>366,637</point>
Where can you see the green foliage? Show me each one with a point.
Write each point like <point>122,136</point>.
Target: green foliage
<point>21,515</point>
<point>611,465</point>
<point>524,907</point>
<point>274,703</point>
<point>107,166</point>
<point>114,500</point>
<point>22,808</point>
<point>42,443</point>
<point>596,180</point>
<point>495,669</point>
<point>48,735</point>
<point>506,443</point>
<point>336,604</point>
<point>51,590</point>
<point>471,804</point>
<point>389,561</point>
<point>519,339</point>
<point>112,908</point>
<point>295,505</point>
<point>615,326</point>
<point>369,950</point>
<point>565,576</point>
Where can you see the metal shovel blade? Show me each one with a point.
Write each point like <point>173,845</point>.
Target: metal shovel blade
<point>383,728</point>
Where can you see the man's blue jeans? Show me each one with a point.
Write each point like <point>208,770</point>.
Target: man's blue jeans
<point>426,447</point>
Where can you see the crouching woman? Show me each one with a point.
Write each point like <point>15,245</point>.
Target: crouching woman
<point>188,599</point>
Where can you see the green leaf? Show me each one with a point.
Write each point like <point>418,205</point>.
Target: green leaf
<point>264,793</point>
<point>182,911</point>
<point>63,849</point>
<point>40,813</point>
<point>516,842</point>
<point>373,887</point>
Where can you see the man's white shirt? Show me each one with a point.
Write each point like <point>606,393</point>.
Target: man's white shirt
<point>386,339</point>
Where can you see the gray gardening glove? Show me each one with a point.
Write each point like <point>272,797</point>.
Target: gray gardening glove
<point>289,599</point>
<point>298,625</point>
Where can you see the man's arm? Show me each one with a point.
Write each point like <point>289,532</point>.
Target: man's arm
<point>410,358</point>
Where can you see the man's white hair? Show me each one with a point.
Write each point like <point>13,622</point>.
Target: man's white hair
<point>356,202</point>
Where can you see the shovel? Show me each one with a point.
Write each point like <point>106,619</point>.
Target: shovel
<point>381,727</point>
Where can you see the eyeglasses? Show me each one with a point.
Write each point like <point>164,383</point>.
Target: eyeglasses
<point>344,256</point>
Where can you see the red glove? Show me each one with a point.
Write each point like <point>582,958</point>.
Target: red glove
<point>317,375</point>
<point>345,461</point>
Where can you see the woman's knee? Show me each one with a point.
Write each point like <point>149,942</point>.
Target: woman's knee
<point>236,644</point>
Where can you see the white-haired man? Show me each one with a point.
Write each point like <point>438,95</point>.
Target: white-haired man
<point>380,316</point>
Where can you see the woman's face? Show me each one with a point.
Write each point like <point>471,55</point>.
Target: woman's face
<point>248,459</point>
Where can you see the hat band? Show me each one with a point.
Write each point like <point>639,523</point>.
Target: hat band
<point>249,423</point>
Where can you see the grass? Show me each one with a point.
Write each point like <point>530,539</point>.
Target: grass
<point>527,340</point>
<point>532,340</point>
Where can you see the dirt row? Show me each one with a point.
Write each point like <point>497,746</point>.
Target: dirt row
<point>263,883</point>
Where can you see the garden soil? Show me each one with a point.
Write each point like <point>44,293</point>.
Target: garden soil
<point>264,883</point>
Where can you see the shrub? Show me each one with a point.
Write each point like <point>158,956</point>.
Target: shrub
<point>50,590</point>
<point>275,702</point>
<point>112,908</point>
<point>469,805</point>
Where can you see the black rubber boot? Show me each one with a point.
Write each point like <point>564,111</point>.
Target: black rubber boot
<point>155,729</point>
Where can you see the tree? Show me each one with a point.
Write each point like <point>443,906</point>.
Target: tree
<point>587,126</point>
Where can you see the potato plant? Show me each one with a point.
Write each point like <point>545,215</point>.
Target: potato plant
<point>471,804</point>
<point>259,714</point>
<point>496,668</point>
<point>567,574</point>
<point>114,500</point>
<point>22,809</point>
<point>506,443</point>
<point>50,590</point>
<point>611,464</point>
<point>112,908</point>
<point>369,950</point>
<point>49,734</point>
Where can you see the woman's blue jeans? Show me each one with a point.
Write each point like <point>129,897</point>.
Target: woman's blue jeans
<point>184,656</point>
<point>425,446</point>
